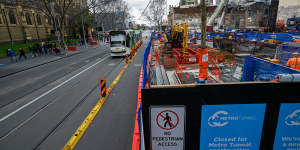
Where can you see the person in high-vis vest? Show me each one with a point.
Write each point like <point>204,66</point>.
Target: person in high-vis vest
<point>294,62</point>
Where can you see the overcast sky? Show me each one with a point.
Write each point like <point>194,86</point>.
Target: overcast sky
<point>137,7</point>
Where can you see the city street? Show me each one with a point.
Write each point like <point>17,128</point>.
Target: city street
<point>42,107</point>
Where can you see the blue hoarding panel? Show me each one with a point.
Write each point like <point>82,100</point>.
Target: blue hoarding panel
<point>236,126</point>
<point>288,128</point>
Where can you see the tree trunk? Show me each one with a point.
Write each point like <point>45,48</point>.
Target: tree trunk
<point>203,24</point>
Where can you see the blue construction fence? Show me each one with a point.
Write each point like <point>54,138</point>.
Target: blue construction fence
<point>253,36</point>
<point>256,69</point>
<point>145,78</point>
<point>285,51</point>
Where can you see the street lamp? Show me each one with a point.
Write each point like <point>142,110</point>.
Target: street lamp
<point>52,3</point>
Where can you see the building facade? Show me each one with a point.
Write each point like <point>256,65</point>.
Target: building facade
<point>191,16</point>
<point>21,23</point>
<point>288,9</point>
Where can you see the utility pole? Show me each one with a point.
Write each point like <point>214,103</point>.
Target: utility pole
<point>82,24</point>
<point>52,3</point>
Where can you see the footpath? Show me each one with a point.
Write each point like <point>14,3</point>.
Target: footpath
<point>8,68</point>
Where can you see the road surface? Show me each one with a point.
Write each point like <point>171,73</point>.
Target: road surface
<point>41,108</point>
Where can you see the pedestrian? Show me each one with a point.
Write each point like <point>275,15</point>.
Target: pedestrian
<point>42,46</point>
<point>35,51</point>
<point>50,48</point>
<point>22,54</point>
<point>11,54</point>
<point>56,50</point>
<point>45,48</point>
<point>38,48</point>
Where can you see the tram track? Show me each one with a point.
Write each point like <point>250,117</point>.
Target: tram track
<point>36,113</point>
<point>71,69</point>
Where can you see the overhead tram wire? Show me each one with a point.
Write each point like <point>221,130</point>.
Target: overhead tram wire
<point>150,1</point>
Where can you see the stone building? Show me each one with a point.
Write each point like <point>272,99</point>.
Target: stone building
<point>187,3</point>
<point>245,15</point>
<point>191,16</point>
<point>249,15</point>
<point>20,22</point>
<point>288,9</point>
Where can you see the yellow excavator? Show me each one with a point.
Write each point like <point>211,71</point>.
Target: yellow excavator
<point>180,32</point>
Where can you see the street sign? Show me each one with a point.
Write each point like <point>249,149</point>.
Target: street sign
<point>288,127</point>
<point>238,73</point>
<point>234,126</point>
<point>167,127</point>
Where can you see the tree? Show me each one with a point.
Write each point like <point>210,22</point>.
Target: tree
<point>57,10</point>
<point>155,12</point>
<point>113,13</point>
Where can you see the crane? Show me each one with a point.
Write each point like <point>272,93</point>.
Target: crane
<point>216,13</point>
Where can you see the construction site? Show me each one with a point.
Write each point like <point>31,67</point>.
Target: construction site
<point>209,86</point>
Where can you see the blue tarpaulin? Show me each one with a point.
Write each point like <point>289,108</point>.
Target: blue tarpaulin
<point>256,69</point>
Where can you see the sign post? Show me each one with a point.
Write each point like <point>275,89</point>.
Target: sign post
<point>167,127</point>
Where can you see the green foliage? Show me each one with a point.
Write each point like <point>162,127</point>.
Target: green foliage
<point>15,47</point>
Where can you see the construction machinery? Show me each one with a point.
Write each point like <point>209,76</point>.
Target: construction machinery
<point>180,32</point>
<point>215,14</point>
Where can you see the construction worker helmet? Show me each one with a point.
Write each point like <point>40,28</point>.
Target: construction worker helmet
<point>295,54</point>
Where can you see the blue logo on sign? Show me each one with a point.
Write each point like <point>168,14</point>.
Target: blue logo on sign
<point>216,119</point>
<point>288,127</point>
<point>293,119</point>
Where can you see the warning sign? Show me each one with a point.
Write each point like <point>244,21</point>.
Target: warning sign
<point>167,127</point>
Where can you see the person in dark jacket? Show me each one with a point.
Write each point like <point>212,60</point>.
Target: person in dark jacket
<point>22,54</point>
<point>38,48</point>
<point>45,48</point>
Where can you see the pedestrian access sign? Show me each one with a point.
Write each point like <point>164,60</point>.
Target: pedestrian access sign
<point>167,127</point>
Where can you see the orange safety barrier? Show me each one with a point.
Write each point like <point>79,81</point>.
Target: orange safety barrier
<point>93,43</point>
<point>136,134</point>
<point>72,48</point>
<point>179,70</point>
<point>215,70</point>
<point>168,60</point>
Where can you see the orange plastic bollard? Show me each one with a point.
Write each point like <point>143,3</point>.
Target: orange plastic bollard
<point>131,53</point>
<point>126,58</point>
<point>103,87</point>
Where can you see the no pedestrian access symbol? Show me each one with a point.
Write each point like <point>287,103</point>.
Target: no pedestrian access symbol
<point>167,127</point>
<point>167,120</point>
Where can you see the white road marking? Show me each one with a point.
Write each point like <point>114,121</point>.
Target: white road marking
<point>46,93</point>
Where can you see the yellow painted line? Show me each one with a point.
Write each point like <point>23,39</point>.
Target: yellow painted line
<point>70,145</point>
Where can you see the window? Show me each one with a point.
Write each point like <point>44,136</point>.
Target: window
<point>12,17</point>
<point>1,19</point>
<point>28,19</point>
<point>38,19</point>
<point>49,20</point>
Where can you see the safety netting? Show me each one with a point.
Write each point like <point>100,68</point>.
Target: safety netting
<point>256,69</point>
<point>285,51</point>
